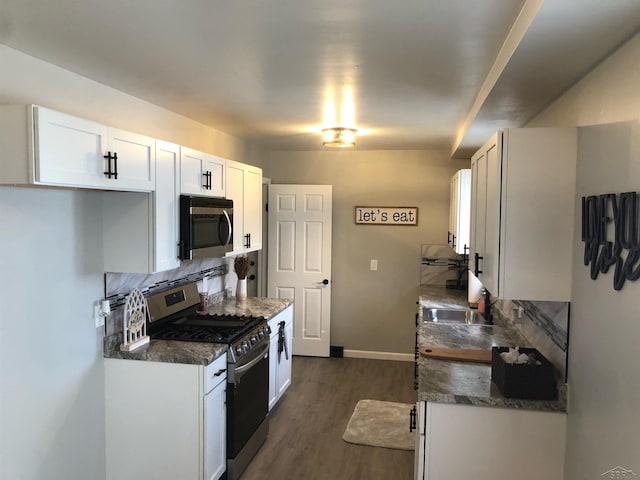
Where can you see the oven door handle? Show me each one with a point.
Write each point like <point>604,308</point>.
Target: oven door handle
<point>263,354</point>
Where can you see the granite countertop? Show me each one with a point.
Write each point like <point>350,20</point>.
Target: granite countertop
<point>436,296</point>
<point>253,306</point>
<point>465,383</point>
<point>198,353</point>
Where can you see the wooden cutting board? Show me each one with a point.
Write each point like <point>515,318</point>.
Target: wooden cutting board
<point>459,354</point>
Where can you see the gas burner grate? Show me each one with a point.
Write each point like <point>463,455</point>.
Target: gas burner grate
<point>207,328</point>
<point>191,334</point>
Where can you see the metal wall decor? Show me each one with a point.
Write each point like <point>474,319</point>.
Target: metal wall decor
<point>610,236</point>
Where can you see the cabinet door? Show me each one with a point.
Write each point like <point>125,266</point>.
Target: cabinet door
<point>273,370</point>
<point>166,209</point>
<point>419,452</point>
<point>453,210</point>
<point>235,192</point>
<point>284,360</point>
<point>68,150</point>
<point>244,187</point>
<point>463,206</point>
<point>192,170</point>
<point>215,167</point>
<point>135,163</point>
<point>253,207</point>
<point>537,215</point>
<point>215,440</point>
<point>485,187</point>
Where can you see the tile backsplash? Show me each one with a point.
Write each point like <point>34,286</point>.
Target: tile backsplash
<point>118,285</point>
<point>439,263</point>
<point>545,325</point>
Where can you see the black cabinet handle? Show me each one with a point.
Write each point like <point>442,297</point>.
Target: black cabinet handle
<point>448,238</point>
<point>412,419</point>
<point>207,180</point>
<point>477,270</point>
<point>110,172</point>
<point>453,241</point>
<point>247,240</point>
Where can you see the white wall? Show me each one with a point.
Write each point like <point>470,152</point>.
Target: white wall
<point>604,372</point>
<point>51,376</point>
<point>374,311</point>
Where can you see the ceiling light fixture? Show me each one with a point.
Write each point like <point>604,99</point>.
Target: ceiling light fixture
<point>339,137</point>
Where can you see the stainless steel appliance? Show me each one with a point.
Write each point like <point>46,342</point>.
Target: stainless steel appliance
<point>205,227</point>
<point>173,316</point>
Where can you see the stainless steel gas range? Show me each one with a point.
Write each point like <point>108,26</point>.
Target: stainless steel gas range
<point>174,316</point>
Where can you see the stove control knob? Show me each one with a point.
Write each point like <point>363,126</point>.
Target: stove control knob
<point>261,334</point>
<point>239,350</point>
<point>245,345</point>
<point>254,339</point>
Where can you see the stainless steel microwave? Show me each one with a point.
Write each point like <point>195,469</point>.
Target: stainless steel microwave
<point>205,227</point>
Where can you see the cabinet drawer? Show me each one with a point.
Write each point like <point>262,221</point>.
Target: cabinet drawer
<point>215,372</point>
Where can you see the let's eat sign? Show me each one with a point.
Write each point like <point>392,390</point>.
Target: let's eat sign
<point>386,215</point>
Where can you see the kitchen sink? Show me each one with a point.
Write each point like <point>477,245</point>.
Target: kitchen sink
<point>446,315</point>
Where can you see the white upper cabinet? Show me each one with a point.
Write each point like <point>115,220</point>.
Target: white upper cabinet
<point>201,173</point>
<point>45,147</point>
<point>141,230</point>
<point>244,187</point>
<point>135,167</point>
<point>68,150</point>
<point>459,211</point>
<point>522,213</point>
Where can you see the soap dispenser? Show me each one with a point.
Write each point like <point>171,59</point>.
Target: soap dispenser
<point>481,302</point>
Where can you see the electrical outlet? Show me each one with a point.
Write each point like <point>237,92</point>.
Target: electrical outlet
<point>98,318</point>
<point>374,265</point>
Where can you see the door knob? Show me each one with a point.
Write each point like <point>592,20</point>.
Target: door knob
<point>325,282</point>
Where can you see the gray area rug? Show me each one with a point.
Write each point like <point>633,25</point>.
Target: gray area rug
<point>380,424</point>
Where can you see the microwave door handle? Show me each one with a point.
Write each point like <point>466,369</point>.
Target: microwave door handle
<point>226,215</point>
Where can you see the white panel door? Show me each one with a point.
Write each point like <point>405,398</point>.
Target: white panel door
<point>299,263</point>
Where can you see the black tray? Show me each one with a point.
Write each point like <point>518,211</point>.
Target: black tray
<point>531,382</point>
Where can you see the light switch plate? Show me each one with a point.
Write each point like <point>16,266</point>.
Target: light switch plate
<point>374,265</point>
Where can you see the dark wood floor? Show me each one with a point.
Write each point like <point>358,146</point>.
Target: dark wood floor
<point>305,429</point>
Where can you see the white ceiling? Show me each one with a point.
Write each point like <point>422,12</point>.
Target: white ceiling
<point>413,73</point>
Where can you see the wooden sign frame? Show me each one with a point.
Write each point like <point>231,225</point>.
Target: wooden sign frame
<point>399,216</point>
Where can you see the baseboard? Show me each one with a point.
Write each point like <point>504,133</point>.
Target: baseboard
<point>402,357</point>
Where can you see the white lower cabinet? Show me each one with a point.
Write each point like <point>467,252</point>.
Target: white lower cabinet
<point>280,363</point>
<point>488,443</point>
<point>140,230</point>
<point>165,420</point>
